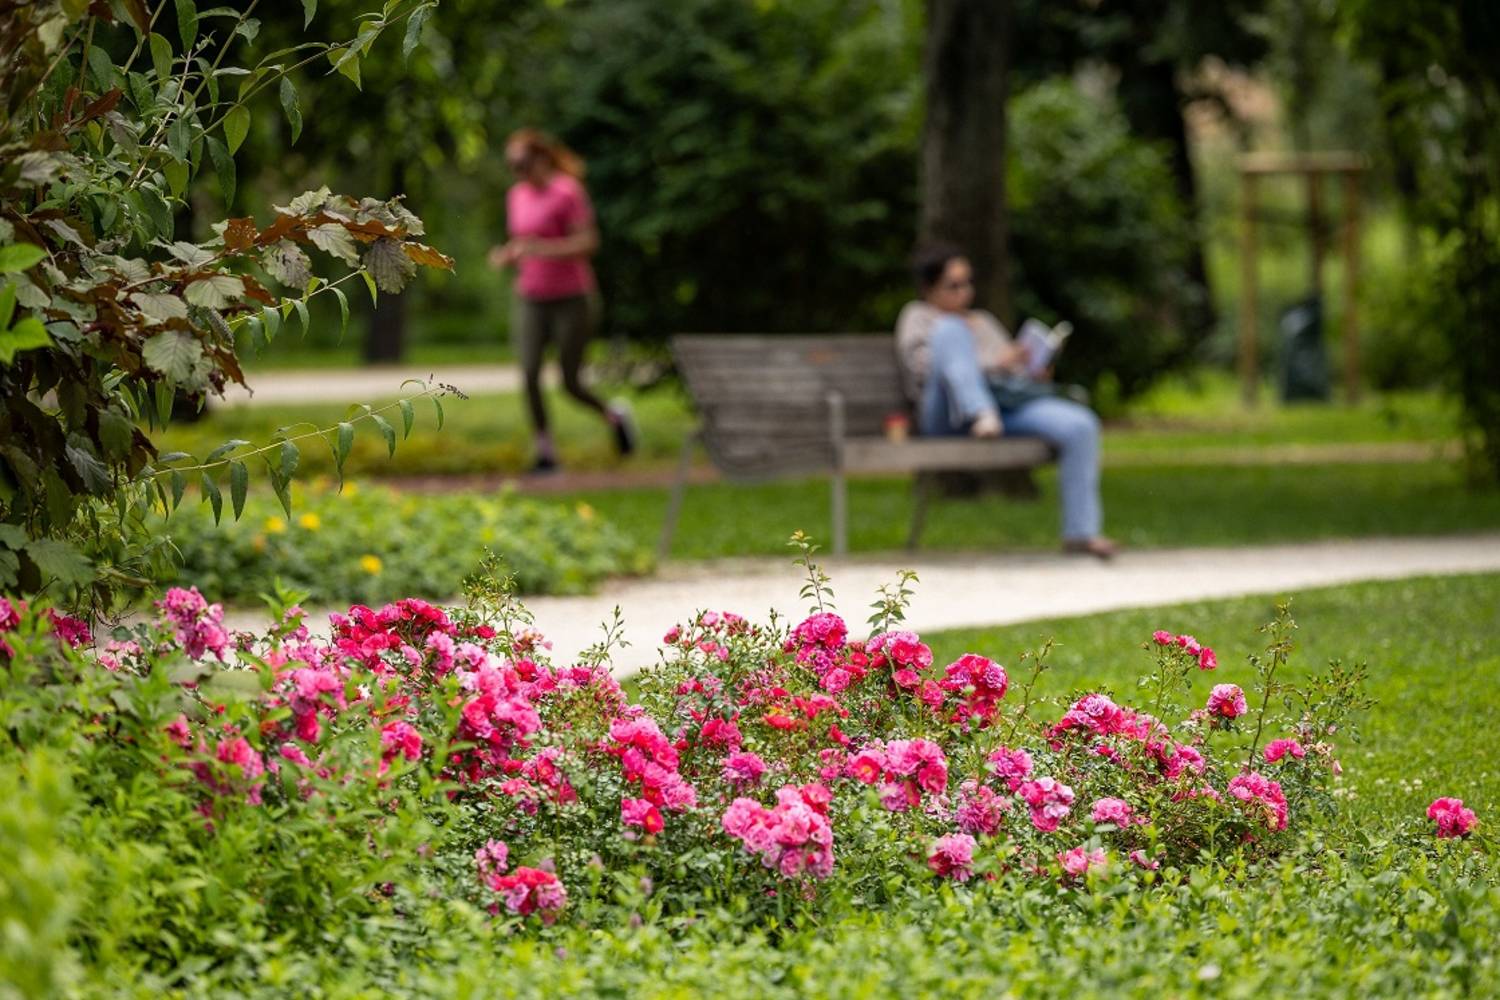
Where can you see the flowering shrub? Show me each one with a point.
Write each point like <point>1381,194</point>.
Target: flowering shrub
<point>422,754</point>
<point>370,544</point>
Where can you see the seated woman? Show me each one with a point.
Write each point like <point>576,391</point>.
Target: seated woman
<point>966,376</point>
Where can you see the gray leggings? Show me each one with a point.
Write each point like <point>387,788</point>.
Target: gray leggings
<point>570,322</point>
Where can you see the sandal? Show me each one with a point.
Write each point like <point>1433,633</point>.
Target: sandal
<point>1099,547</point>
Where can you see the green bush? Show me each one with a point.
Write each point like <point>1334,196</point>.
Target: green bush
<point>369,544</point>
<point>1098,237</point>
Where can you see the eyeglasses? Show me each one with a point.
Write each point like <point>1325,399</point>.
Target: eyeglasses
<point>958,286</point>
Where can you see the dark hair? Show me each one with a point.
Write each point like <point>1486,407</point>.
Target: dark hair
<point>930,261</point>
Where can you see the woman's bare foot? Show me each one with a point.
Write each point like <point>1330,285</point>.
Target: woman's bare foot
<point>986,425</point>
<point>1099,547</point>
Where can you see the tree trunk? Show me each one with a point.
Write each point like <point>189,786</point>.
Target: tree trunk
<point>385,339</point>
<point>1153,106</point>
<point>966,66</point>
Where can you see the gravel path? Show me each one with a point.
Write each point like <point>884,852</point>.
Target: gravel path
<point>963,591</point>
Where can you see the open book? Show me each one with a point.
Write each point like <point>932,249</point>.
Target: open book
<point>1042,344</point>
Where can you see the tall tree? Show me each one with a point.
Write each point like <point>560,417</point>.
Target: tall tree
<point>966,66</point>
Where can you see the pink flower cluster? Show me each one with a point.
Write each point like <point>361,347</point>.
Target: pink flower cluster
<point>530,890</point>
<point>794,837</point>
<point>1226,701</point>
<point>641,813</point>
<point>1205,656</point>
<point>1049,800</point>
<point>648,758</point>
<point>904,653</point>
<point>1453,820</point>
<point>1262,795</point>
<point>1111,810</point>
<point>1079,861</point>
<point>73,632</point>
<point>979,683</point>
<point>198,626</point>
<point>979,809</point>
<point>953,857</point>
<point>904,769</point>
<point>1277,749</point>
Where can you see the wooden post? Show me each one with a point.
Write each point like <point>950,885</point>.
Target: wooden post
<point>1249,347</point>
<point>1316,236</point>
<point>838,488</point>
<point>1351,287</point>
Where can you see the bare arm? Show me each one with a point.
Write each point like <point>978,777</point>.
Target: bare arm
<point>583,242</point>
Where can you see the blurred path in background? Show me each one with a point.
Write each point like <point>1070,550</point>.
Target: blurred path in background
<point>366,385</point>
<point>968,591</point>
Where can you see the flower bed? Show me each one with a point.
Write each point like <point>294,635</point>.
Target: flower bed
<point>371,544</point>
<point>423,759</point>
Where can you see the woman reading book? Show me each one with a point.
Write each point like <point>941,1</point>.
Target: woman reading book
<point>966,375</point>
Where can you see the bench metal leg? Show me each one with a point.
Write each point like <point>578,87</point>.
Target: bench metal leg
<point>679,490</point>
<point>922,488</point>
<point>840,503</point>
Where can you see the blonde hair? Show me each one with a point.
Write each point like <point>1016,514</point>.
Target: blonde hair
<point>557,153</point>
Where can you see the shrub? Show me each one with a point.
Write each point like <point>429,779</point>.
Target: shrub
<point>369,544</point>
<point>218,805</point>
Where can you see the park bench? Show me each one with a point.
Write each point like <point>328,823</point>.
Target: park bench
<point>773,406</point>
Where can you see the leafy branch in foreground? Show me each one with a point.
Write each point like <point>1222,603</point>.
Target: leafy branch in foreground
<point>107,316</point>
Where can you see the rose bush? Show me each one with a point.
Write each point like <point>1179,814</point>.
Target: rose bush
<point>423,768</point>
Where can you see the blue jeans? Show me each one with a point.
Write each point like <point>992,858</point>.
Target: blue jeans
<point>957,393</point>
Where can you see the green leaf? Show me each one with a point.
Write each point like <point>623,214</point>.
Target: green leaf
<point>338,293</point>
<point>116,434</point>
<point>437,404</point>
<point>236,127</point>
<point>20,257</point>
<point>80,455</point>
<point>217,291</point>
<point>408,416</point>
<point>24,336</point>
<point>223,450</point>
<point>414,25</point>
<point>370,284</point>
<point>301,308</point>
<point>7,304</point>
<point>12,537</point>
<point>346,61</point>
<point>239,483</point>
<point>158,210</point>
<point>161,57</point>
<point>387,430</point>
<point>224,168</point>
<point>101,67</point>
<point>179,485</point>
<point>309,8</point>
<point>290,107</point>
<point>345,442</point>
<point>212,495</point>
<point>389,265</point>
<point>290,457</point>
<point>286,262</point>
<point>176,173</point>
<point>187,22</point>
<point>174,354</point>
<point>159,307</point>
<point>272,320</point>
<point>334,239</point>
<point>58,559</point>
<point>10,569</point>
<point>282,487</point>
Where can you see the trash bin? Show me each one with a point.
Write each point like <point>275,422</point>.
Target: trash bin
<point>1304,357</point>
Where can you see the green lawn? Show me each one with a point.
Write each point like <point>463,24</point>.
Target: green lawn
<point>1369,905</point>
<point>1145,506</point>
<point>489,434</point>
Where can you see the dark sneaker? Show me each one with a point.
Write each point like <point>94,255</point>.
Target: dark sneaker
<point>626,432</point>
<point>544,465</point>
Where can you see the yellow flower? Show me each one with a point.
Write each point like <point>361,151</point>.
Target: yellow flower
<point>310,521</point>
<point>274,525</point>
<point>585,512</point>
<point>371,564</point>
<point>350,489</point>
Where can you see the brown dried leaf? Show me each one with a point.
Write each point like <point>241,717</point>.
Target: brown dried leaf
<point>427,256</point>
<point>240,235</point>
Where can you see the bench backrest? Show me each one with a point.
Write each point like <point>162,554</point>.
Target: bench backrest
<point>763,399</point>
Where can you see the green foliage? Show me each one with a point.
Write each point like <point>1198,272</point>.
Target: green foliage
<point>1440,89</point>
<point>369,545</point>
<point>777,189</point>
<point>1100,238</point>
<point>352,885</point>
<point>106,314</point>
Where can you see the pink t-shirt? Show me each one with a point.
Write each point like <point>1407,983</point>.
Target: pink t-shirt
<point>559,208</point>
